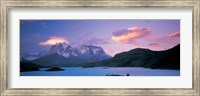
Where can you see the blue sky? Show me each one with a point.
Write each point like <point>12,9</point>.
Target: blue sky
<point>38,35</point>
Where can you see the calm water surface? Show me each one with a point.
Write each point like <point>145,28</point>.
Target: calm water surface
<point>103,71</point>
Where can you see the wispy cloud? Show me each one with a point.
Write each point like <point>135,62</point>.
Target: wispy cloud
<point>54,40</point>
<point>97,41</point>
<point>128,35</point>
<point>163,37</point>
<point>89,39</point>
<point>175,34</point>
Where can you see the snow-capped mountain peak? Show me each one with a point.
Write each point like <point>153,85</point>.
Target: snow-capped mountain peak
<point>85,51</point>
<point>57,48</point>
<point>68,49</point>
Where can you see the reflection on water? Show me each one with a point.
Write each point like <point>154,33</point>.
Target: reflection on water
<point>103,71</point>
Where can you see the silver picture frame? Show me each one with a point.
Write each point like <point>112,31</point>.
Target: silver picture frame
<point>5,5</point>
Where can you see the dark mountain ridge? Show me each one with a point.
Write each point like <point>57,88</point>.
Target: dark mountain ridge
<point>167,59</point>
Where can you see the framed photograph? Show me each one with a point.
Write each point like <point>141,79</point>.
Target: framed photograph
<point>121,47</point>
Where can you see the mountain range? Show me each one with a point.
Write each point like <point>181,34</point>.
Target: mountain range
<point>65,55</point>
<point>60,55</point>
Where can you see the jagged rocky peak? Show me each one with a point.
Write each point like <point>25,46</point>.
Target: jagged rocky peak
<point>83,49</point>
<point>96,49</point>
<point>68,49</point>
<point>63,54</point>
<point>57,48</point>
<point>72,51</point>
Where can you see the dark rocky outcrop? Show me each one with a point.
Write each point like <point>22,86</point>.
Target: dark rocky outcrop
<point>27,66</point>
<point>55,69</point>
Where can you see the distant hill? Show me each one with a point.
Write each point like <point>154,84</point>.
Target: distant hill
<point>51,60</point>
<point>168,59</point>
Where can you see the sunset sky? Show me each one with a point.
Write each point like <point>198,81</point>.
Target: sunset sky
<point>114,36</point>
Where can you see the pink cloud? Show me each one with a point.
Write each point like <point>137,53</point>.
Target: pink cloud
<point>54,40</point>
<point>129,34</point>
<point>154,44</point>
<point>175,34</point>
<point>164,37</point>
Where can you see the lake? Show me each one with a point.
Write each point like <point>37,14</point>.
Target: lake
<point>103,71</point>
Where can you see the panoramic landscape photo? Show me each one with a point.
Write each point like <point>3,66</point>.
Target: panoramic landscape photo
<point>100,47</point>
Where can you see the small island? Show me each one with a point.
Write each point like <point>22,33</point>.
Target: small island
<point>55,69</point>
<point>117,74</point>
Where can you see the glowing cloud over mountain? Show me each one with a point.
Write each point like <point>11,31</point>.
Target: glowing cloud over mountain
<point>54,40</point>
